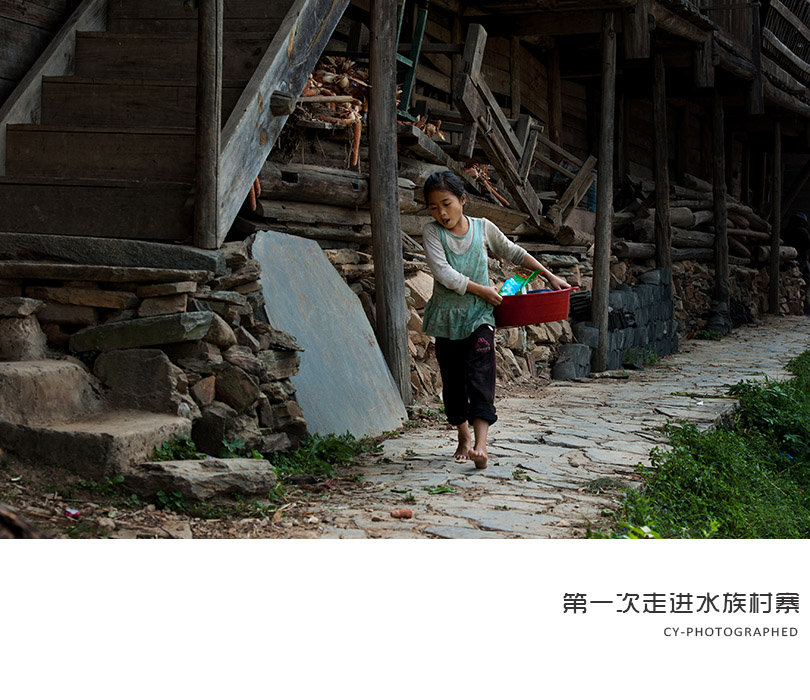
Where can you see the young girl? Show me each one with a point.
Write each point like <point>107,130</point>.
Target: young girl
<point>460,312</point>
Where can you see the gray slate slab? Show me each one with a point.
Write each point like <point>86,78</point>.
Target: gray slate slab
<point>344,383</point>
<point>143,332</point>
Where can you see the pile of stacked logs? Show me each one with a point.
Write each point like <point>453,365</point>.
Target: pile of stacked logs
<point>692,220</point>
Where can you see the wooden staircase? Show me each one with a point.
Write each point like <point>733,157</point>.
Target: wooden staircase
<point>113,154</point>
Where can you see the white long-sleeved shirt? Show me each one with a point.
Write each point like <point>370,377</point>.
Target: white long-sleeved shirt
<point>494,240</point>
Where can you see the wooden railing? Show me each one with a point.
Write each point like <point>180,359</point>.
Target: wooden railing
<point>262,110</point>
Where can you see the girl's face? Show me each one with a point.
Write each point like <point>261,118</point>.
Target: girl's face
<point>447,209</point>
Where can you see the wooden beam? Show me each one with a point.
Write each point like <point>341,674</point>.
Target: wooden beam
<point>798,185</point>
<point>23,105</point>
<point>514,76</point>
<point>756,96</point>
<point>663,228</point>
<point>252,130</point>
<point>537,24</point>
<point>719,192</point>
<point>604,193</point>
<point>554,90</point>
<point>776,222</point>
<point>470,65</point>
<point>392,316</point>
<point>637,30</point>
<point>208,122</point>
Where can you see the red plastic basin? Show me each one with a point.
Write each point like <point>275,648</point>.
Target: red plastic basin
<point>539,306</point>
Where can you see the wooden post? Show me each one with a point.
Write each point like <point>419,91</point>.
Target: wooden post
<point>514,76</point>
<point>208,118</point>
<point>604,193</point>
<point>796,188</point>
<point>554,88</point>
<point>721,270</point>
<point>386,238</point>
<point>776,220</point>
<point>663,230</point>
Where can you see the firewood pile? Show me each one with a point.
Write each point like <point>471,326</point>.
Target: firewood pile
<point>692,222</point>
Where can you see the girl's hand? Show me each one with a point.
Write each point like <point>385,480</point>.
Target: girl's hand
<point>556,282</point>
<point>488,294</point>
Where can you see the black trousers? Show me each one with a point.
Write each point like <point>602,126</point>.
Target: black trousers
<point>468,376</point>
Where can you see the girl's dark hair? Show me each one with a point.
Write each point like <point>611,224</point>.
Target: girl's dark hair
<point>444,180</point>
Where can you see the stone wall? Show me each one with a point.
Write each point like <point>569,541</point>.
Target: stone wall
<point>191,342</point>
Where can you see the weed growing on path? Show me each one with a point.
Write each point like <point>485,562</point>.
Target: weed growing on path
<point>747,479</point>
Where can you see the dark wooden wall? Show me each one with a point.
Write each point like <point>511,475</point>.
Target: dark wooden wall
<point>26,27</point>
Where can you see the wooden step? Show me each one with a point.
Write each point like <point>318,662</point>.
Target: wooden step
<point>163,16</point>
<point>171,57</point>
<point>77,101</point>
<point>106,208</point>
<point>33,150</point>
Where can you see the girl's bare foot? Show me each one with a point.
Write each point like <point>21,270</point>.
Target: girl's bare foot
<point>478,454</point>
<point>464,444</point>
<point>479,458</point>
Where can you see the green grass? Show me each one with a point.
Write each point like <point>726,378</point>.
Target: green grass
<point>747,479</point>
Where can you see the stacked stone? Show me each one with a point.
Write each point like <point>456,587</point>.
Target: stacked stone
<point>196,343</point>
<point>640,323</point>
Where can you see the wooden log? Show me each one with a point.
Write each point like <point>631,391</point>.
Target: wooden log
<point>682,217</point>
<point>749,233</point>
<point>687,192</point>
<point>682,238</point>
<point>703,217</point>
<point>633,250</point>
<point>693,204</point>
<point>697,184</point>
<point>754,219</point>
<point>738,248</point>
<point>310,183</point>
<point>275,210</point>
<point>762,253</point>
<point>699,254</point>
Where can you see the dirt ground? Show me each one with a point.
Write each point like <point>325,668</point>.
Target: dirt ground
<point>60,504</point>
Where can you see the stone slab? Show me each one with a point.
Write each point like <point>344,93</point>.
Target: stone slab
<point>343,383</point>
<point>100,298</point>
<point>143,332</point>
<point>40,392</point>
<point>87,250</point>
<point>18,307</point>
<point>203,479</point>
<point>97,273</point>
<point>94,447</point>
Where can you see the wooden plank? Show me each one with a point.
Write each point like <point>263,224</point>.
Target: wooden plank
<point>162,9</point>
<point>146,211</point>
<point>48,14</point>
<point>20,44</point>
<point>23,105</point>
<point>637,31</point>
<point>474,48</point>
<point>188,26</point>
<point>252,129</point>
<point>108,55</point>
<point>79,152</point>
<point>112,102</point>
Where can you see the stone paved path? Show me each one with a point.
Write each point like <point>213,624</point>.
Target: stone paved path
<point>558,460</point>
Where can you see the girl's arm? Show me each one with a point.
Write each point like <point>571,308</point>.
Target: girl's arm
<point>502,247</point>
<point>488,294</point>
<point>554,282</point>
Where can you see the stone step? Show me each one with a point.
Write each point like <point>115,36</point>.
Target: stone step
<point>96,446</point>
<point>42,392</point>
